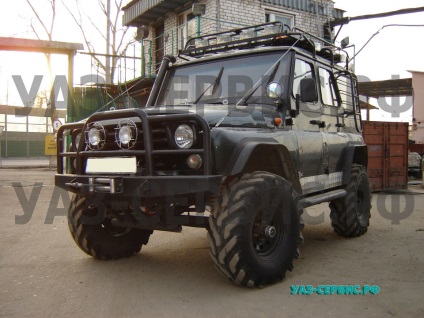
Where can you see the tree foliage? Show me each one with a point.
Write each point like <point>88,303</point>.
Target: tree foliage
<point>46,32</point>
<point>112,32</point>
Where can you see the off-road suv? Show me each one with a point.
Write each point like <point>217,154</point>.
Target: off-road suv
<point>242,132</point>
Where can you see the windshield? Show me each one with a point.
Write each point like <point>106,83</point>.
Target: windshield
<point>225,81</point>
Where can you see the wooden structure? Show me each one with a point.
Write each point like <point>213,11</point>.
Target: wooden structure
<point>391,88</point>
<point>49,47</point>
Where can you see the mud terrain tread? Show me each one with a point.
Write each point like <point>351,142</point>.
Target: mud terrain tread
<point>228,234</point>
<point>95,241</point>
<point>344,216</point>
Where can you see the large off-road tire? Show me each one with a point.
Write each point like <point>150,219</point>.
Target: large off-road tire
<point>97,237</point>
<point>254,229</point>
<point>350,215</point>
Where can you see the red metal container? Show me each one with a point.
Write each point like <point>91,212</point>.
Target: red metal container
<point>417,148</point>
<point>387,154</point>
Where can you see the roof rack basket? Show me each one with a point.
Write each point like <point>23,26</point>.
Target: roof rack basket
<point>267,34</point>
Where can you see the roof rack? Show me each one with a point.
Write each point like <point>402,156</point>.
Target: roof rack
<point>267,34</point>
<point>327,51</point>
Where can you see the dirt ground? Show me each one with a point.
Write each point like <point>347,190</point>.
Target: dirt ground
<point>44,274</point>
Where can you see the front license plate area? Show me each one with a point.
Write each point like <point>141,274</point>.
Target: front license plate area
<point>117,165</point>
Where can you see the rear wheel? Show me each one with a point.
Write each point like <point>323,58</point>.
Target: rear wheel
<point>97,236</point>
<point>254,231</point>
<point>350,215</point>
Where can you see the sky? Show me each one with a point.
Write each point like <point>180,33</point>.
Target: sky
<point>392,52</point>
<point>395,50</point>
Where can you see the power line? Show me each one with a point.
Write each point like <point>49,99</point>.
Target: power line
<point>346,20</point>
<point>385,26</point>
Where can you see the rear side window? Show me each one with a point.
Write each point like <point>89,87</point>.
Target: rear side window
<point>328,91</point>
<point>346,89</point>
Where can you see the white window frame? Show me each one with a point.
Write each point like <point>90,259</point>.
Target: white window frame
<point>183,29</point>
<point>274,13</point>
<point>327,87</point>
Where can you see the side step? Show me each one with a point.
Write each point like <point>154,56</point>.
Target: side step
<point>320,198</point>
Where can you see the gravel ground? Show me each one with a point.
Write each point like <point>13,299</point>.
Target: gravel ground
<point>44,274</point>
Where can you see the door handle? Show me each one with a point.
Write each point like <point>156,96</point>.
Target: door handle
<point>319,123</point>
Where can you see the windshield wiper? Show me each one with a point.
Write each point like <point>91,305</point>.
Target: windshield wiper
<point>214,86</point>
<point>254,88</point>
<point>252,91</point>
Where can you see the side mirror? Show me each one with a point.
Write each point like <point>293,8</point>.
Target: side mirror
<point>308,90</point>
<point>345,42</point>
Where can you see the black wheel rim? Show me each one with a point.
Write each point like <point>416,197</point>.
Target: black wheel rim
<point>115,231</point>
<point>263,245</point>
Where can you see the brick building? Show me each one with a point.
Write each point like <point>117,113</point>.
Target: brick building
<point>164,26</point>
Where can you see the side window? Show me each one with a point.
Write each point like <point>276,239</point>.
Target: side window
<point>302,70</point>
<point>328,92</point>
<point>347,87</point>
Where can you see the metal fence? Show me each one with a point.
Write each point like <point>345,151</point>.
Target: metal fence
<point>24,134</point>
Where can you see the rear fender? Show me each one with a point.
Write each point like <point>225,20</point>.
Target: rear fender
<point>354,154</point>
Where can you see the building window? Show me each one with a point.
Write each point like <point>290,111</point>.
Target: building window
<point>272,16</point>
<point>187,28</point>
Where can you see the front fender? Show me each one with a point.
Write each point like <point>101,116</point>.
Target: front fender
<point>271,157</point>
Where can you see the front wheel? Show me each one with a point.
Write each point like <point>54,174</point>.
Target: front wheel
<point>96,236</point>
<point>254,231</point>
<point>350,215</point>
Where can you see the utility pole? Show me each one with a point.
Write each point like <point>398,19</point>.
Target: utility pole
<point>108,25</point>
<point>317,8</point>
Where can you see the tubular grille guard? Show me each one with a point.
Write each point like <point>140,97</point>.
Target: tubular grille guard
<point>148,151</point>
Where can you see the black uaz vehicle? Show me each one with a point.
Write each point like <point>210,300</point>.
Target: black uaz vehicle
<point>247,129</point>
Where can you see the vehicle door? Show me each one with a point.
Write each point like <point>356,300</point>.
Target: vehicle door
<point>341,113</point>
<point>334,140</point>
<point>306,124</point>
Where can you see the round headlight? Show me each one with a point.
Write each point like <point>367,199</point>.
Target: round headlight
<point>184,136</point>
<point>125,135</point>
<point>94,136</point>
